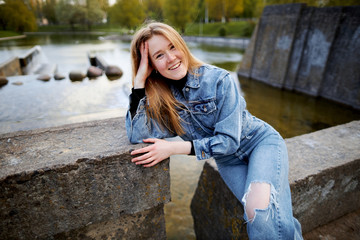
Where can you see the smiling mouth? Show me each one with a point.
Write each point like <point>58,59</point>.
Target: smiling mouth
<point>175,66</point>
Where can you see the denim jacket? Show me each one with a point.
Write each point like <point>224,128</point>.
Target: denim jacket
<point>215,116</point>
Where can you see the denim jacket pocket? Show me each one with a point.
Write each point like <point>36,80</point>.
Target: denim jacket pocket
<point>203,106</point>
<point>204,111</point>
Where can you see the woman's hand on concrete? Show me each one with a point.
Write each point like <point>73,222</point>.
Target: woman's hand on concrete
<point>145,68</point>
<point>159,150</point>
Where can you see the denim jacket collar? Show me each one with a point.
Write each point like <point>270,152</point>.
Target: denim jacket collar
<point>193,79</point>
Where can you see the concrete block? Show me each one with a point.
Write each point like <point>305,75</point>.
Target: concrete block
<point>298,48</point>
<point>30,60</point>
<point>342,76</point>
<point>248,58</point>
<point>324,176</point>
<point>274,43</point>
<point>321,33</point>
<point>10,67</point>
<point>148,224</point>
<point>78,180</point>
<point>216,211</point>
<point>310,50</point>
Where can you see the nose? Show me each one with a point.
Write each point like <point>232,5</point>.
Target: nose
<point>170,56</point>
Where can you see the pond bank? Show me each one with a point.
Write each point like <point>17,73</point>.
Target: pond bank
<point>12,38</point>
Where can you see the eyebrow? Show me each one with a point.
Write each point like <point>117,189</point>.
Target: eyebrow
<point>161,50</point>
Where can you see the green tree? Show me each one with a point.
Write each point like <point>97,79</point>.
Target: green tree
<point>154,9</point>
<point>233,8</point>
<point>180,12</point>
<point>340,2</point>
<point>68,13</point>
<point>16,16</point>
<point>249,8</point>
<point>35,6</point>
<point>104,5</point>
<point>49,11</point>
<point>225,9</point>
<point>215,9</point>
<point>75,12</point>
<point>127,13</point>
<point>93,13</point>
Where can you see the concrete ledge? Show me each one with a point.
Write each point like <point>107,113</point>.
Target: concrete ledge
<point>241,43</point>
<point>78,180</point>
<point>325,174</point>
<point>324,177</point>
<point>29,63</point>
<point>10,67</point>
<point>12,38</point>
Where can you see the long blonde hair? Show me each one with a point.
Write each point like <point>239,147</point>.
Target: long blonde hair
<point>162,105</point>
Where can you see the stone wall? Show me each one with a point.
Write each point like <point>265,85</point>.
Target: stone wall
<point>324,176</point>
<point>78,182</point>
<point>310,50</point>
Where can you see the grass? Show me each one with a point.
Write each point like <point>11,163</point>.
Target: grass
<point>4,34</point>
<point>82,28</point>
<point>230,29</point>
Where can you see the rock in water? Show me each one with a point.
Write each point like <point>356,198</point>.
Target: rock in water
<point>59,76</point>
<point>113,72</point>
<point>18,83</point>
<point>3,81</point>
<point>94,72</point>
<point>44,77</point>
<point>76,76</point>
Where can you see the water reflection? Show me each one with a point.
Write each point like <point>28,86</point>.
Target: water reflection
<point>291,113</point>
<point>36,104</point>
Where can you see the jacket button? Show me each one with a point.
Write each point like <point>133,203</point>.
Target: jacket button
<point>203,154</point>
<point>187,89</point>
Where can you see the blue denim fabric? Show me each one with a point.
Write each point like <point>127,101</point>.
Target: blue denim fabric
<point>245,148</point>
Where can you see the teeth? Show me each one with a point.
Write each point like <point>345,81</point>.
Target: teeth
<point>175,66</point>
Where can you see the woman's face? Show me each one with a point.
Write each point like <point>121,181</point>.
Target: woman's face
<point>166,59</point>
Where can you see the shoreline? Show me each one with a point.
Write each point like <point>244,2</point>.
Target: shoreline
<point>13,37</point>
<point>218,41</point>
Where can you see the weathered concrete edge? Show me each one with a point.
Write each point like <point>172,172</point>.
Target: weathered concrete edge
<point>155,190</point>
<point>318,198</point>
<point>54,129</point>
<point>321,198</point>
<point>66,129</point>
<point>148,224</point>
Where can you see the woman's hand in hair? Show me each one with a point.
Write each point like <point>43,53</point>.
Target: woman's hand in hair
<point>145,67</point>
<point>159,150</point>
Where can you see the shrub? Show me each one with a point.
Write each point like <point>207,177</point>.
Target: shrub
<point>222,31</point>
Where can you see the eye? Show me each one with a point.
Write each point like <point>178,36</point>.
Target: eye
<point>172,47</point>
<point>159,56</point>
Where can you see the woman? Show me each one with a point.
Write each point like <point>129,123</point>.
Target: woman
<point>174,94</point>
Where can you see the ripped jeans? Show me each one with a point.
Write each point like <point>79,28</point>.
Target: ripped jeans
<point>262,159</point>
